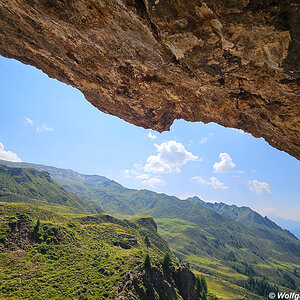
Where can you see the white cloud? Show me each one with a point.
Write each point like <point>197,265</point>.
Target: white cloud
<point>189,195</point>
<point>285,213</point>
<point>171,156</point>
<point>200,180</point>
<point>203,140</point>
<point>135,171</point>
<point>8,155</point>
<point>291,214</point>
<point>151,136</point>
<point>44,127</point>
<point>126,173</point>
<point>29,121</point>
<point>268,211</point>
<point>225,165</point>
<point>217,184</point>
<point>138,167</point>
<point>239,130</point>
<point>143,176</point>
<point>146,179</point>
<point>214,182</point>
<point>258,187</point>
<point>154,181</point>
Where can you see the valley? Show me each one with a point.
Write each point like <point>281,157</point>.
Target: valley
<point>241,253</point>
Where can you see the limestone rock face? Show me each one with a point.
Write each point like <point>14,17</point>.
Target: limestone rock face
<point>149,62</point>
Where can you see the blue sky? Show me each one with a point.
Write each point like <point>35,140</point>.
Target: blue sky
<point>45,121</point>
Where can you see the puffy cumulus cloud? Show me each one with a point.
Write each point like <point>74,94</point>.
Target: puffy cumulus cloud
<point>28,121</point>
<point>259,187</point>
<point>44,127</point>
<point>171,156</point>
<point>8,155</point>
<point>151,136</point>
<point>154,181</point>
<point>225,165</point>
<point>214,182</point>
<point>137,173</point>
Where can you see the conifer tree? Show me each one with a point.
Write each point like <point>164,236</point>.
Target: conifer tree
<point>201,287</point>
<point>147,241</point>
<point>204,284</point>
<point>37,231</point>
<point>147,262</point>
<point>167,263</point>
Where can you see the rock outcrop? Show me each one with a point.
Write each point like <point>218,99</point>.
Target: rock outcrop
<point>154,285</point>
<point>149,62</point>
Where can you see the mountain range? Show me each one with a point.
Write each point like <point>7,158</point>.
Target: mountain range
<point>54,245</point>
<point>241,253</point>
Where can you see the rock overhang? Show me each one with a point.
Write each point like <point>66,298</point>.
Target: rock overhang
<point>149,62</point>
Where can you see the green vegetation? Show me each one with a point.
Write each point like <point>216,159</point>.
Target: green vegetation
<point>49,258</point>
<point>147,241</point>
<point>167,264</point>
<point>260,286</point>
<point>54,251</point>
<point>37,187</point>
<point>37,233</point>
<point>233,247</point>
<point>201,287</point>
<point>147,262</point>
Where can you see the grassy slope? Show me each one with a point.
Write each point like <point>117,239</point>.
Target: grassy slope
<point>37,187</point>
<point>198,234</point>
<point>84,264</point>
<point>208,234</point>
<point>244,215</point>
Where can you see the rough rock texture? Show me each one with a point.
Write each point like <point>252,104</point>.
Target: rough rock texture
<point>19,233</point>
<point>149,62</point>
<point>185,281</point>
<point>154,285</point>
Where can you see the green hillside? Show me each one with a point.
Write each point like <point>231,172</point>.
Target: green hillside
<point>244,215</point>
<point>37,187</point>
<point>46,255</point>
<point>220,247</point>
<point>240,255</point>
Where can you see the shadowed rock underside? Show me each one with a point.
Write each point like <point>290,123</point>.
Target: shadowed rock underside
<point>149,62</point>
